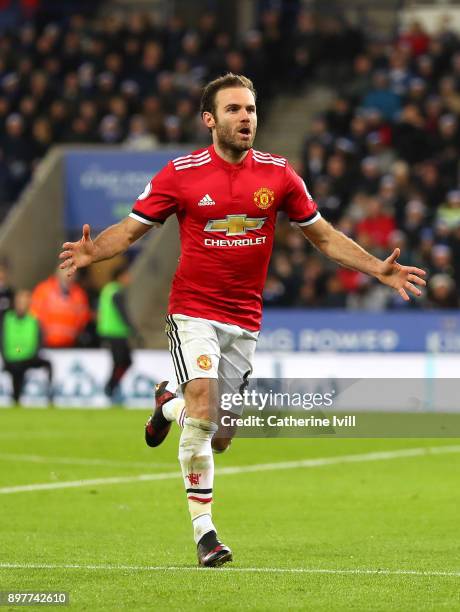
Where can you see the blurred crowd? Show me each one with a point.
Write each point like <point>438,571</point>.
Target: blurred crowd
<point>130,81</point>
<point>382,164</point>
<point>60,313</point>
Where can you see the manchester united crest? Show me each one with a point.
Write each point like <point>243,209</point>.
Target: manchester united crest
<point>264,197</point>
<point>204,362</point>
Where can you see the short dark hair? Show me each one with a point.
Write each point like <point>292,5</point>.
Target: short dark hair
<point>208,97</point>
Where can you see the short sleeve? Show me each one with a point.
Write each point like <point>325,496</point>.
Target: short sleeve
<point>297,202</point>
<point>159,199</point>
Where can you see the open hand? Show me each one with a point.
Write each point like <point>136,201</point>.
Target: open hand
<point>77,254</point>
<point>401,278</point>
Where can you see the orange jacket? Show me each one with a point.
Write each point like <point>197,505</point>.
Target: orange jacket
<point>62,316</point>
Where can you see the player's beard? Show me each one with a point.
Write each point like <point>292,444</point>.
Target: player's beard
<point>229,139</point>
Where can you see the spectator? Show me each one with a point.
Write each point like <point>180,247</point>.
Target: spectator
<point>329,203</point>
<point>88,111</point>
<point>256,60</point>
<point>379,151</point>
<point>61,306</point>
<point>339,116</point>
<point>399,73</point>
<point>20,345</point>
<point>448,149</point>
<point>79,131</point>
<point>5,187</point>
<point>449,95</point>
<point>414,221</point>
<point>114,327</point>
<point>410,139</point>
<point>138,138</point>
<point>441,259</point>
<point>391,198</point>
<point>449,212</point>
<point>59,115</point>
<point>361,81</point>
<point>342,181</point>
<point>284,271</point>
<point>6,290</point>
<point>427,181</point>
<point>41,90</point>
<point>28,111</point>
<point>42,138</point>
<point>368,296</point>
<point>216,61</point>
<point>433,108</point>
<point>315,162</point>
<point>17,153</point>
<point>172,131</point>
<point>318,132</point>
<point>377,227</point>
<point>382,98</point>
<point>415,38</point>
<point>153,115</point>
<point>334,297</point>
<point>274,291</point>
<point>110,130</point>
<point>150,68</point>
<point>441,292</point>
<point>417,92</point>
<point>358,134</point>
<point>207,31</point>
<point>370,176</point>
<point>273,41</point>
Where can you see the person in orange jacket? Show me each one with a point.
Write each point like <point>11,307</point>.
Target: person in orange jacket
<point>62,308</point>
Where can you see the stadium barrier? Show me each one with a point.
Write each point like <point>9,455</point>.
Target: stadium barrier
<point>369,332</point>
<point>80,375</point>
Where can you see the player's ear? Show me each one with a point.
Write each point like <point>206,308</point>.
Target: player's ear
<point>208,120</point>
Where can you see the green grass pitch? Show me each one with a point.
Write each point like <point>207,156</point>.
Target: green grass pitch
<point>379,534</point>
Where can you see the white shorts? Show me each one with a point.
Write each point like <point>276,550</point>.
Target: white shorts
<point>201,348</point>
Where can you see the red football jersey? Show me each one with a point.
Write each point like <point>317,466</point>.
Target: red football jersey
<point>227,215</point>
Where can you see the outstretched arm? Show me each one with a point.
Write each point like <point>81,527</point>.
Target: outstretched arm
<point>348,253</point>
<point>110,242</point>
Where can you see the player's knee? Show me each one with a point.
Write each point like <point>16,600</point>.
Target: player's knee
<point>198,389</point>
<point>200,398</point>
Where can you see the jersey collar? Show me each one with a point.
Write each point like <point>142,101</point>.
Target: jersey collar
<point>226,165</point>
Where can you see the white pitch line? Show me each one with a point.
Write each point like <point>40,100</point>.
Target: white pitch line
<point>80,461</point>
<point>244,469</point>
<point>261,570</point>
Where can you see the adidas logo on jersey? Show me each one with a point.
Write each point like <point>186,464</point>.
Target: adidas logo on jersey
<point>206,201</point>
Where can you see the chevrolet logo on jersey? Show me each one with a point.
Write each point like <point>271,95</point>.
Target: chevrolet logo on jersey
<point>233,225</point>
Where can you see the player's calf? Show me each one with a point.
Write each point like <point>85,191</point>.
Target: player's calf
<point>220,445</point>
<point>223,438</point>
<point>197,464</point>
